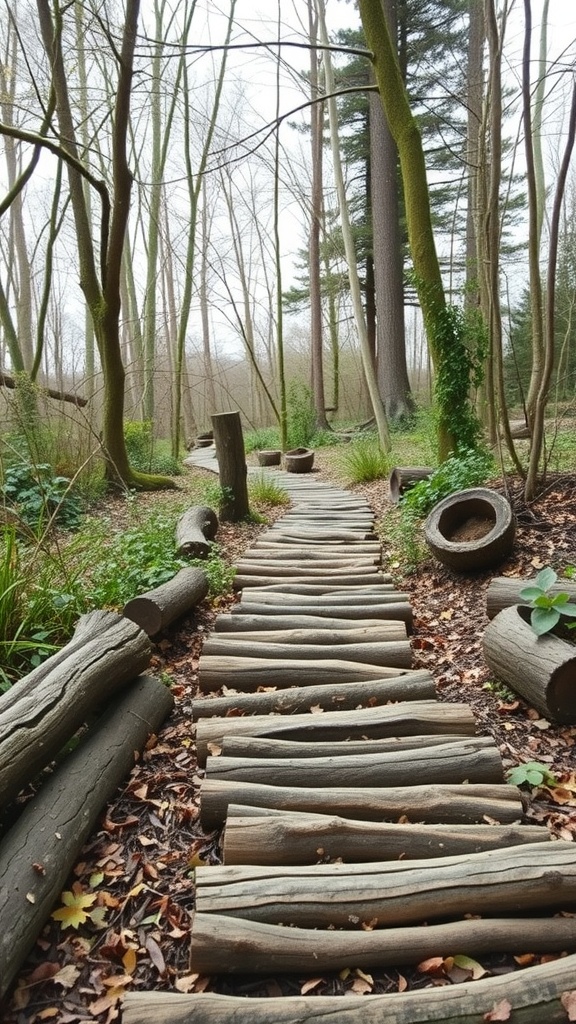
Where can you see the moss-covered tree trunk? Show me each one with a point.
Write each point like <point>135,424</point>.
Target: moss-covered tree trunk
<point>406,135</point>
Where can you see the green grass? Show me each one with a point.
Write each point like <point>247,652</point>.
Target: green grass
<point>364,460</point>
<point>262,488</point>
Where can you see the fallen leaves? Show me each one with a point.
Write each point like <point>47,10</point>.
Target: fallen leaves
<point>500,1011</point>
<point>73,911</point>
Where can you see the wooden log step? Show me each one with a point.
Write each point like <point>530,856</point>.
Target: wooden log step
<point>401,610</point>
<point>519,879</point>
<point>296,593</point>
<point>359,578</point>
<point>222,945</point>
<point>292,838</point>
<point>285,534</point>
<point>295,699</point>
<point>504,591</point>
<point>408,719</point>
<point>271,624</point>
<point>388,654</point>
<point>457,804</point>
<point>260,746</point>
<point>535,994</point>
<point>248,674</point>
<point>263,544</point>
<point>267,567</point>
<point>386,631</point>
<point>475,760</point>
<point>298,556</point>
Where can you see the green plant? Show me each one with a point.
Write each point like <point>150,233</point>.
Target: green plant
<point>500,690</point>
<point>469,469</point>
<point>263,488</point>
<point>364,460</point>
<point>145,453</point>
<point>262,439</point>
<point>301,423</point>
<point>138,559</point>
<point>547,608</point>
<point>531,773</point>
<point>38,497</point>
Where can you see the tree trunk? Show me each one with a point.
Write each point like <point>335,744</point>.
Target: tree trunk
<point>45,708</point>
<point>459,805</point>
<point>157,608</point>
<point>418,718</point>
<point>36,858</point>
<point>195,531</point>
<point>535,995</point>
<point>344,697</point>
<point>232,466</point>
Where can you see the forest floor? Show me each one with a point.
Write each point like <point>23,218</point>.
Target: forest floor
<point>134,882</point>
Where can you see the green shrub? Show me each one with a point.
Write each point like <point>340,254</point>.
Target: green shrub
<point>260,440</point>
<point>458,472</point>
<point>364,460</point>
<point>301,424</point>
<point>263,488</point>
<point>37,497</point>
<point>146,454</point>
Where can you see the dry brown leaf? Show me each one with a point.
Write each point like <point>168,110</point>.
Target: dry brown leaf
<point>312,983</point>
<point>186,983</point>
<point>360,987</point>
<point>500,1011</point>
<point>402,983</point>
<point>67,976</point>
<point>568,1000</point>
<point>156,955</point>
<point>214,749</point>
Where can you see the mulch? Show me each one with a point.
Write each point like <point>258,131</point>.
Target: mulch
<point>134,882</point>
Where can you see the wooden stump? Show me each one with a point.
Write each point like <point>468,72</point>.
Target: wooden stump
<point>404,477</point>
<point>195,531</point>
<point>542,669</point>
<point>232,466</point>
<point>157,608</point>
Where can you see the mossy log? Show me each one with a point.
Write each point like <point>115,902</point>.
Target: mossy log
<point>457,804</point>
<point>157,608</point>
<point>195,531</point>
<point>37,854</point>
<point>518,879</point>
<point>45,708</point>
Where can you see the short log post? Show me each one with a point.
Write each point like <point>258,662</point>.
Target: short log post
<point>404,477</point>
<point>195,531</point>
<point>229,443</point>
<point>157,608</point>
<point>540,668</point>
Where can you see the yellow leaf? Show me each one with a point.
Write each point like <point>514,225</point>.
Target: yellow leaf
<point>366,977</point>
<point>129,961</point>
<point>72,913</point>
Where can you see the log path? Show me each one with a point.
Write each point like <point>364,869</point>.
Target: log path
<point>364,822</point>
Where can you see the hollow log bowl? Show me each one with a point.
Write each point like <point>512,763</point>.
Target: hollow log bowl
<point>478,510</point>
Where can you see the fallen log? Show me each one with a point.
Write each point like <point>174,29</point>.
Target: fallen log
<point>223,945</point>
<point>388,654</point>
<point>157,608</point>
<point>459,804</point>
<point>294,699</point>
<point>504,592</point>
<point>409,719</point>
<point>404,477</point>
<point>45,708</point>
<point>8,381</point>
<point>272,625</point>
<point>260,746</point>
<point>535,994</point>
<point>542,669</point>
<point>475,760</point>
<point>248,674</point>
<point>195,531</point>
<point>38,852</point>
<point>288,839</point>
<point>513,880</point>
